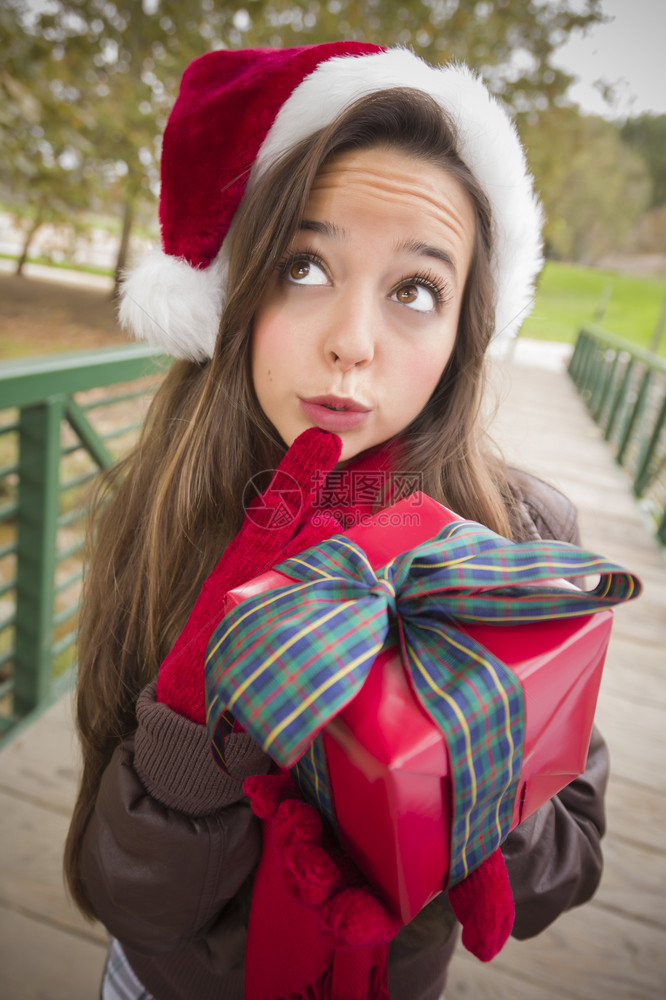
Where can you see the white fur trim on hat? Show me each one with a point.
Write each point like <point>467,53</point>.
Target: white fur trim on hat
<point>168,303</point>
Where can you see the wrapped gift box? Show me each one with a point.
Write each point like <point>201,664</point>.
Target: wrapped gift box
<point>388,763</point>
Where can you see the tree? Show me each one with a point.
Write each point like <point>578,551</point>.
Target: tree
<point>646,134</point>
<point>94,101</point>
<point>114,66</point>
<point>42,145</point>
<point>509,42</point>
<point>592,185</point>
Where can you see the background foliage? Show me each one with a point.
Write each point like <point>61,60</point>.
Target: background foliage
<point>86,87</point>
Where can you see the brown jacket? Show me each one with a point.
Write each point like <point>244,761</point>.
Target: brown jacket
<point>171,848</point>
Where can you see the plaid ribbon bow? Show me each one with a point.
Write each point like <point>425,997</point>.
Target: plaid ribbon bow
<point>285,662</point>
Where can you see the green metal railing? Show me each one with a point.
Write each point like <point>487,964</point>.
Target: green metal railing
<point>62,419</point>
<point>624,389</point>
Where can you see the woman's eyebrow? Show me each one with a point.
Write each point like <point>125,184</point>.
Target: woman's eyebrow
<point>426,250</point>
<point>325,228</point>
<point>416,247</point>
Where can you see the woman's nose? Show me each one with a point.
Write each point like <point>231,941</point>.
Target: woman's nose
<point>350,339</point>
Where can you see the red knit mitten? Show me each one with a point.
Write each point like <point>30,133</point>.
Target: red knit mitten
<point>277,525</point>
<point>316,928</point>
<point>322,877</point>
<point>483,904</point>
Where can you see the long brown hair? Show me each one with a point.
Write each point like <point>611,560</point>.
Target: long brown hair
<point>164,515</point>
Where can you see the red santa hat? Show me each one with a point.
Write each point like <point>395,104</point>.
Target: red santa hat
<point>238,111</point>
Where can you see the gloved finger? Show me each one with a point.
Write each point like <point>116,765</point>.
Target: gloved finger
<point>267,791</point>
<point>295,483</point>
<point>271,520</point>
<point>356,918</point>
<point>483,904</point>
<point>312,456</point>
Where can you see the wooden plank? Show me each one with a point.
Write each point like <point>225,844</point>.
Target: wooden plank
<point>634,880</point>
<point>470,979</point>
<point>31,865</point>
<point>635,671</point>
<point>41,763</point>
<point>586,483</point>
<point>636,813</point>
<point>636,735</point>
<point>587,954</point>
<point>42,962</point>
<point>642,620</point>
<point>634,550</point>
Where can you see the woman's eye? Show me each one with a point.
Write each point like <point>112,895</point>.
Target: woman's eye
<point>417,297</point>
<point>304,271</point>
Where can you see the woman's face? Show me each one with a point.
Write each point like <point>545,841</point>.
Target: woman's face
<point>359,320</point>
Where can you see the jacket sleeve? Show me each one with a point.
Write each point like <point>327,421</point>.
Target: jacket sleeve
<point>554,857</point>
<point>172,839</point>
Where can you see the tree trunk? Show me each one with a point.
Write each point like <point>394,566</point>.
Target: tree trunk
<point>26,245</point>
<point>123,249</point>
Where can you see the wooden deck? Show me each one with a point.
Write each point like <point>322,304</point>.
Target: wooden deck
<point>612,949</point>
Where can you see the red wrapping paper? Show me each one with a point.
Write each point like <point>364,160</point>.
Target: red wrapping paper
<point>388,762</point>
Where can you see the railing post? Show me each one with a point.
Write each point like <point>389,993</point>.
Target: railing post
<point>39,460</point>
<point>587,370</point>
<point>87,434</point>
<point>633,417</point>
<point>575,359</point>
<point>618,401</point>
<point>606,380</point>
<point>643,471</point>
<point>661,530</point>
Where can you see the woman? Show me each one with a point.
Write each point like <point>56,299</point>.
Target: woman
<point>351,283</point>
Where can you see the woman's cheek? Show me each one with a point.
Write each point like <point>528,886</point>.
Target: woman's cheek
<point>420,371</point>
<point>271,349</point>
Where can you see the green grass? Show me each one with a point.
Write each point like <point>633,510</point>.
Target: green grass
<point>569,296</point>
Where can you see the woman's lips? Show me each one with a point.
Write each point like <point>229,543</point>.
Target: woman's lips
<point>333,413</point>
